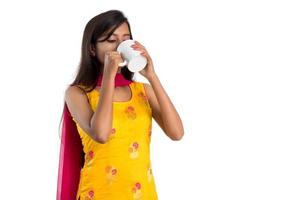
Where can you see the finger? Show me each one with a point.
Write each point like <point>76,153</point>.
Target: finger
<point>115,53</point>
<point>112,52</point>
<point>138,43</point>
<point>108,54</point>
<point>139,49</point>
<point>115,56</point>
<point>144,54</point>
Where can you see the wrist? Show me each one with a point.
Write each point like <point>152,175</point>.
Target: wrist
<point>152,77</point>
<point>108,79</point>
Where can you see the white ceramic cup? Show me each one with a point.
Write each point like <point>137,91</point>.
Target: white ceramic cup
<point>132,58</point>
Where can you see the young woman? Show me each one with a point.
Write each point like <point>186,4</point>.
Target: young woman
<point>113,115</point>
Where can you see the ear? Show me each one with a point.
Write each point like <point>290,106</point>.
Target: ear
<point>92,50</point>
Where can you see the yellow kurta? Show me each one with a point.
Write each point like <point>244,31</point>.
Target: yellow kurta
<point>120,169</point>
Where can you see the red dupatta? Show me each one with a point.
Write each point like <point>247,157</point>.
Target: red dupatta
<point>71,157</point>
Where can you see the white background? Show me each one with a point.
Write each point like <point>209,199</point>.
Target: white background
<point>231,68</point>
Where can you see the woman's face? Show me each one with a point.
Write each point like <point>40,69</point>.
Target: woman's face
<point>119,35</point>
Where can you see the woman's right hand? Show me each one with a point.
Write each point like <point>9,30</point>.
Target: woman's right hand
<point>111,63</point>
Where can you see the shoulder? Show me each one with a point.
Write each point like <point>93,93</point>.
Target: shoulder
<point>74,91</point>
<point>146,89</point>
<point>142,86</point>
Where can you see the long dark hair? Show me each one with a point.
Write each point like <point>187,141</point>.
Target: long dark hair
<point>89,67</point>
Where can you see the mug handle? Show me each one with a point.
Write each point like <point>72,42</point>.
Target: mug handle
<point>122,64</point>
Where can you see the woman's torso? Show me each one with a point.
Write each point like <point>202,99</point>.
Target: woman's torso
<point>120,168</point>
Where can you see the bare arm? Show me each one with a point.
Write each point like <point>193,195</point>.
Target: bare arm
<point>101,121</point>
<point>99,124</point>
<point>96,124</point>
<point>164,111</point>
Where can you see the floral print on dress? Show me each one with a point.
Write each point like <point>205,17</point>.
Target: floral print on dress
<point>143,98</point>
<point>111,173</point>
<point>112,134</point>
<point>137,192</point>
<point>123,163</point>
<point>89,158</point>
<point>133,150</point>
<point>90,195</point>
<point>130,112</point>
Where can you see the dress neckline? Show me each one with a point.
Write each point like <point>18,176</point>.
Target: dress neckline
<point>122,102</point>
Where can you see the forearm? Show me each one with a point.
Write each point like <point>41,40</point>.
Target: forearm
<point>171,119</point>
<point>101,121</point>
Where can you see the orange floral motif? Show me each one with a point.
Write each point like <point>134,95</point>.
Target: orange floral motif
<point>111,173</point>
<point>90,195</point>
<point>137,192</point>
<point>130,112</point>
<point>89,158</point>
<point>133,150</point>
<point>143,97</point>
<point>112,134</point>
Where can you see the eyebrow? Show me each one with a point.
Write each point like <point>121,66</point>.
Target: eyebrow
<point>127,34</point>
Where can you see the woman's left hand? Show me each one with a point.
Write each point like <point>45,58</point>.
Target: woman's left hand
<point>148,71</point>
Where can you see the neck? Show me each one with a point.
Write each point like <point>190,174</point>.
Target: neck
<point>119,80</point>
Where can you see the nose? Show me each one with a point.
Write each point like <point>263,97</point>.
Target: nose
<point>120,41</point>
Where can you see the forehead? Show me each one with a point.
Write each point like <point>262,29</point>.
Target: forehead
<point>122,30</point>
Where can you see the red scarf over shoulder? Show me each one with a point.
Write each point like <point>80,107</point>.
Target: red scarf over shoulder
<point>71,157</point>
